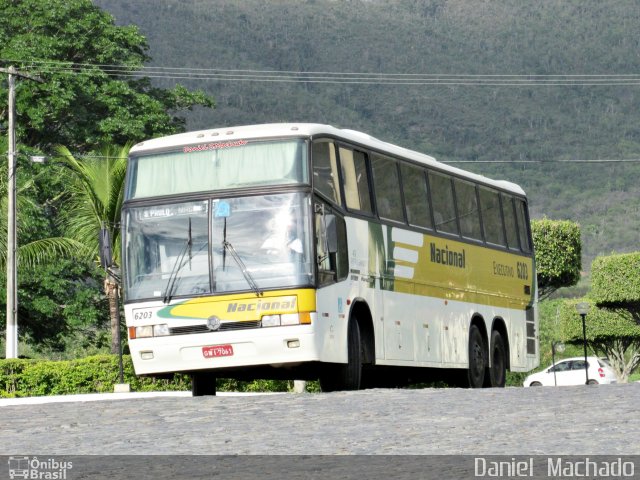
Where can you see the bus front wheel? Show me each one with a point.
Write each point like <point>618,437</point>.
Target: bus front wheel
<point>203,384</point>
<point>335,377</point>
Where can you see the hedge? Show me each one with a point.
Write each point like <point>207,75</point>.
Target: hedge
<point>558,252</point>
<point>601,323</point>
<point>98,374</point>
<point>615,280</point>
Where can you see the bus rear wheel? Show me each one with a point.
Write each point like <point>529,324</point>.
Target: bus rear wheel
<point>498,371</point>
<point>203,384</point>
<point>477,358</point>
<point>336,377</point>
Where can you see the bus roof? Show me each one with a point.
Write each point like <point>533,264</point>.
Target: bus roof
<point>283,130</point>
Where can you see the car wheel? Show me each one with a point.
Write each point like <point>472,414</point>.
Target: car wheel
<point>592,382</point>
<point>535,384</point>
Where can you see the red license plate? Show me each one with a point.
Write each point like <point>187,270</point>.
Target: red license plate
<point>217,351</point>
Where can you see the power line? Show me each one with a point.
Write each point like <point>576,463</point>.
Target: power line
<point>354,78</point>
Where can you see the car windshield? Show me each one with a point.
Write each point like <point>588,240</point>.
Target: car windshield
<point>240,244</point>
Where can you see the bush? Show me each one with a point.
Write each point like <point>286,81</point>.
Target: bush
<point>603,324</point>
<point>558,253</point>
<point>615,280</point>
<point>98,374</point>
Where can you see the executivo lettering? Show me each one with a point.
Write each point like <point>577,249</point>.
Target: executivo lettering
<point>451,258</point>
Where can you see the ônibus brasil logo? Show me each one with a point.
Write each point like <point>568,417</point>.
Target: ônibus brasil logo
<point>33,468</point>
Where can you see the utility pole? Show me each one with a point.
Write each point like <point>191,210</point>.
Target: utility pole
<point>12,240</point>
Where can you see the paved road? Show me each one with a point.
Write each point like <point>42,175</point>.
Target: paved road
<point>513,421</point>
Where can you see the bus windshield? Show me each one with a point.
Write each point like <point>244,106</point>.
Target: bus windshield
<point>218,166</point>
<point>257,243</point>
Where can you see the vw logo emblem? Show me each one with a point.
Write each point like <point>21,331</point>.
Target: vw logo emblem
<point>213,323</point>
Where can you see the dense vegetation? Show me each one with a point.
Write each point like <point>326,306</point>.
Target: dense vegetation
<point>90,110</point>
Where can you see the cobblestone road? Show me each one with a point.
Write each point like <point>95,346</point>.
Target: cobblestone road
<point>513,421</point>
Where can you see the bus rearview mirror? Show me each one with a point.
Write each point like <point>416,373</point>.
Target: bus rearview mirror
<point>332,233</point>
<point>104,243</point>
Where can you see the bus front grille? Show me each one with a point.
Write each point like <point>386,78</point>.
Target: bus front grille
<point>193,329</point>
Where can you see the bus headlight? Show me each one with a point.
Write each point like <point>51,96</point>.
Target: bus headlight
<point>144,332</point>
<point>271,320</point>
<point>301,318</point>
<point>161,330</point>
<point>148,331</point>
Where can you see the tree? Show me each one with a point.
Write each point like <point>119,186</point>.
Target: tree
<point>615,288</point>
<point>558,254</point>
<point>95,195</point>
<point>90,94</point>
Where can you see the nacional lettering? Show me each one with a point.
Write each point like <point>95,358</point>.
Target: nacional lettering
<point>262,306</point>
<point>444,256</point>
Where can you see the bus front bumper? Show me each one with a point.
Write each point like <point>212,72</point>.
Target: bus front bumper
<point>225,350</point>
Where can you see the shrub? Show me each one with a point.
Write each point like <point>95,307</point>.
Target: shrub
<point>97,374</point>
<point>558,254</point>
<point>615,280</point>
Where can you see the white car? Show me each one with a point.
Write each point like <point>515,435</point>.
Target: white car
<point>570,371</point>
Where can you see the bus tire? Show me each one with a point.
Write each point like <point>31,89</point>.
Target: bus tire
<point>203,384</point>
<point>477,358</point>
<point>345,376</point>
<point>497,372</point>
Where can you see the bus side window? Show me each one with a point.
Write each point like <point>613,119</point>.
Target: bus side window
<point>510,223</point>
<point>416,196</point>
<point>387,188</point>
<point>523,229</point>
<point>355,180</point>
<point>467,202</point>
<point>491,217</point>
<point>444,211</point>
<point>325,170</point>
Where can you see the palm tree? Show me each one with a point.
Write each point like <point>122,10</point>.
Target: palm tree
<point>36,252</point>
<point>96,192</point>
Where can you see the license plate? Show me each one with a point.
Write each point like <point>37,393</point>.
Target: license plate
<point>217,351</point>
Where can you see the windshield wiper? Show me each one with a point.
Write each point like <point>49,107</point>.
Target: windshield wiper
<point>171,283</point>
<point>243,268</point>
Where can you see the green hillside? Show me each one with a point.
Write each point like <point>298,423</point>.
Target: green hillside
<point>542,121</point>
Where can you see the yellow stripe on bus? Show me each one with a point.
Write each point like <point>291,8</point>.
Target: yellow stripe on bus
<point>245,306</point>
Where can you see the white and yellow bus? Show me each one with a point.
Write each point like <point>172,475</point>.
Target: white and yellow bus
<point>306,251</point>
